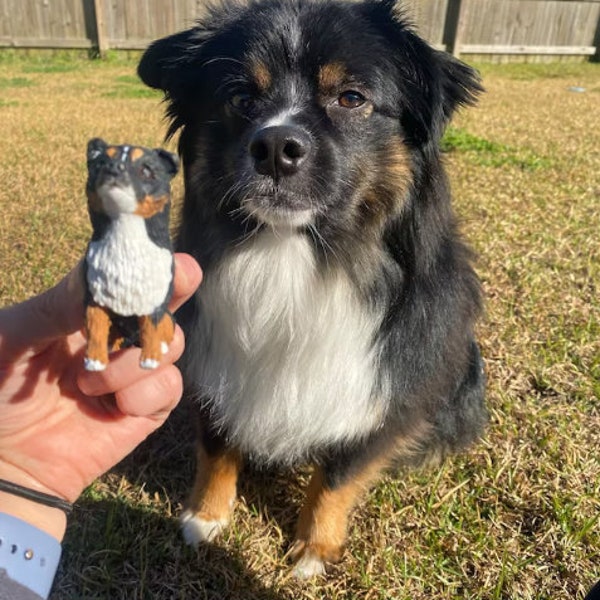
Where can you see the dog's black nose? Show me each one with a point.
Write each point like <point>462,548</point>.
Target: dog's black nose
<point>279,151</point>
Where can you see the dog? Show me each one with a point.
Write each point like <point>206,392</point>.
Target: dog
<point>335,325</point>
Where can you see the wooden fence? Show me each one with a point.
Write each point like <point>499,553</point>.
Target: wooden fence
<point>532,28</point>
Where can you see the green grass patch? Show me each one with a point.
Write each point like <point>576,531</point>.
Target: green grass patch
<point>15,82</point>
<point>130,86</point>
<point>489,153</point>
<point>50,67</point>
<point>532,71</point>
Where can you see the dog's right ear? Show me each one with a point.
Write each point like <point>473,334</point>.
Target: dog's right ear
<point>163,61</point>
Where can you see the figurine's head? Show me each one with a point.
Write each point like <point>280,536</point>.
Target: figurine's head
<point>128,179</point>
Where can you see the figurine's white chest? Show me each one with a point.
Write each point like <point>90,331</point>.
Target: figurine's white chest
<point>126,271</point>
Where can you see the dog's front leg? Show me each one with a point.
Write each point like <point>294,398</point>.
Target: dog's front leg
<point>210,504</point>
<point>322,526</point>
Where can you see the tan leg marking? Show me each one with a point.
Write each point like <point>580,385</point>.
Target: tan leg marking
<point>322,525</point>
<point>97,325</point>
<point>211,502</point>
<point>166,328</point>
<point>150,343</point>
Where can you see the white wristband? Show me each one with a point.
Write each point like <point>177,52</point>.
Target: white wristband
<point>29,556</point>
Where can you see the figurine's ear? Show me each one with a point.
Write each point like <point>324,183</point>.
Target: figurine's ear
<point>169,160</point>
<point>95,148</point>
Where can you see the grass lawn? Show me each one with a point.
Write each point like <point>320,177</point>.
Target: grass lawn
<point>515,518</point>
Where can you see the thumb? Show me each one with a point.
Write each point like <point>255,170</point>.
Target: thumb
<point>32,324</point>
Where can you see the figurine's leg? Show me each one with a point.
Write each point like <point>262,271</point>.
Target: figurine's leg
<point>166,329</point>
<point>97,325</point>
<point>155,336</point>
<point>150,342</point>
<point>211,502</point>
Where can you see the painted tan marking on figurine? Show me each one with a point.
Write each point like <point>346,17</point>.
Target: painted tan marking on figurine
<point>111,151</point>
<point>152,336</point>
<point>331,76</point>
<point>116,341</point>
<point>166,329</point>
<point>215,485</point>
<point>151,206</point>
<point>262,76</point>
<point>136,154</point>
<point>97,324</point>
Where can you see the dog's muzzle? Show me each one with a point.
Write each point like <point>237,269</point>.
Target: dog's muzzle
<point>279,151</point>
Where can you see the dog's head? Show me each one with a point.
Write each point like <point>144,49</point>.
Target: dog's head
<point>304,113</point>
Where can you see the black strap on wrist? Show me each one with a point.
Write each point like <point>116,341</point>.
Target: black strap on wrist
<point>35,496</point>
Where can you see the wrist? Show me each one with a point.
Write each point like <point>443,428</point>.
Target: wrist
<point>48,519</point>
<point>52,521</point>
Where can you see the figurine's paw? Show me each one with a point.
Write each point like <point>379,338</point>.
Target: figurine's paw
<point>164,347</point>
<point>92,364</point>
<point>149,363</point>
<point>197,530</point>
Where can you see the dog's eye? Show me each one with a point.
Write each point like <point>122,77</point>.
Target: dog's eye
<point>241,102</point>
<point>351,99</point>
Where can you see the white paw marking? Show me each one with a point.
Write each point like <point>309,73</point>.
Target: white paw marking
<point>164,347</point>
<point>93,365</point>
<point>148,363</point>
<point>196,530</point>
<point>308,566</point>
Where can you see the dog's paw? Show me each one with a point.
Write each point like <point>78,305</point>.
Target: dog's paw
<point>309,565</point>
<point>197,530</point>
<point>310,559</point>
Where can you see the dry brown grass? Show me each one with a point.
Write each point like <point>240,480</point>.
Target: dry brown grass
<point>515,518</point>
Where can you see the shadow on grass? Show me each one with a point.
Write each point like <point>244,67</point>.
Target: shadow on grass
<point>123,549</point>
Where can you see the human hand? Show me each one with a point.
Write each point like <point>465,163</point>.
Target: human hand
<point>61,426</point>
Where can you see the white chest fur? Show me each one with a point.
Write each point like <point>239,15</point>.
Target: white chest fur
<point>126,271</point>
<point>285,355</point>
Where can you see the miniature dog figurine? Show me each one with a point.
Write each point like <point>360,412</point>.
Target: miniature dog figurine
<point>129,260</point>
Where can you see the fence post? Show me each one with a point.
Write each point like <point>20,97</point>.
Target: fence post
<point>596,42</point>
<point>463,9</point>
<point>100,23</point>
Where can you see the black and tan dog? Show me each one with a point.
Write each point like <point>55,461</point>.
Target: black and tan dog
<point>335,323</point>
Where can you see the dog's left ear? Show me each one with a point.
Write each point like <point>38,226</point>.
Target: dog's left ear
<point>460,86</point>
<point>164,61</point>
<point>432,84</point>
<point>438,84</point>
